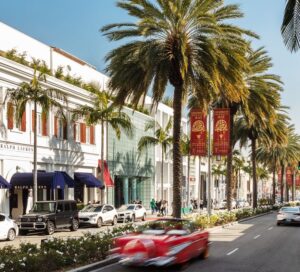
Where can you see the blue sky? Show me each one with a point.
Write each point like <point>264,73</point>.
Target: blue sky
<point>73,25</point>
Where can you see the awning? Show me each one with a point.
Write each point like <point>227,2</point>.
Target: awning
<point>4,184</point>
<point>89,180</point>
<point>51,180</point>
<point>106,175</point>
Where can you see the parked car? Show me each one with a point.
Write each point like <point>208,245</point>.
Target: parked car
<point>131,212</point>
<point>97,215</point>
<point>164,242</point>
<point>223,204</point>
<point>8,228</point>
<point>288,215</point>
<point>242,204</point>
<point>48,216</point>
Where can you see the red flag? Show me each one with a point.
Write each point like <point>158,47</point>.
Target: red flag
<point>198,132</point>
<point>279,176</point>
<point>221,139</point>
<point>289,176</point>
<point>297,180</point>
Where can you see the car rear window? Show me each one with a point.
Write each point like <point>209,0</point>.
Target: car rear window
<point>290,209</point>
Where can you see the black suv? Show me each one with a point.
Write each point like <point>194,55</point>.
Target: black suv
<point>50,215</point>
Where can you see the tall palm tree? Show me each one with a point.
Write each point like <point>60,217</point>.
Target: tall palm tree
<point>186,43</point>
<point>290,28</point>
<point>162,137</point>
<point>46,98</point>
<point>104,113</point>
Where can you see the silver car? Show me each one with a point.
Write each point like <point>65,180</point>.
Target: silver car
<point>8,228</point>
<point>288,215</point>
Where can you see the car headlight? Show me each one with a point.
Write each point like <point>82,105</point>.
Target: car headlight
<point>39,219</point>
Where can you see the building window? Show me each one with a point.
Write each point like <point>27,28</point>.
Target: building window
<point>39,123</point>
<point>88,137</point>
<point>60,128</point>
<point>11,120</point>
<point>77,132</point>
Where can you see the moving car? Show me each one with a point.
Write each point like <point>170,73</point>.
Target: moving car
<point>131,212</point>
<point>97,215</point>
<point>163,242</point>
<point>288,215</point>
<point>48,216</point>
<point>8,228</point>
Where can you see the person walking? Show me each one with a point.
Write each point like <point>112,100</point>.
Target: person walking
<point>152,206</point>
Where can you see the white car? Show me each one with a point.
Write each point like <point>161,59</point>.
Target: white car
<point>8,228</point>
<point>131,212</point>
<point>288,215</point>
<point>97,215</point>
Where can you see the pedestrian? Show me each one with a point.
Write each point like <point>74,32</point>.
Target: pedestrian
<point>158,208</point>
<point>163,207</point>
<point>201,204</point>
<point>152,206</point>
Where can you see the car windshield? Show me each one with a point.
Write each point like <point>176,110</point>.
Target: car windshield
<point>44,207</point>
<point>92,208</point>
<point>290,209</point>
<point>126,208</point>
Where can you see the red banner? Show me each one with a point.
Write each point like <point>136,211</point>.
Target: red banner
<point>198,132</point>
<point>221,132</point>
<point>297,180</point>
<point>289,176</point>
<point>279,177</point>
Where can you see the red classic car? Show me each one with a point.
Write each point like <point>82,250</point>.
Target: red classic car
<point>163,242</point>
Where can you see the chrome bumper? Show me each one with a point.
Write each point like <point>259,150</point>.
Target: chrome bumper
<point>32,226</point>
<point>138,260</point>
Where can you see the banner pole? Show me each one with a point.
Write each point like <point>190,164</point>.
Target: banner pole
<point>209,163</point>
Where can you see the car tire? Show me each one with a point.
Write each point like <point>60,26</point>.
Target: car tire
<point>75,224</point>
<point>50,228</point>
<point>23,232</point>
<point>204,254</point>
<point>99,222</point>
<point>144,217</point>
<point>133,218</point>
<point>11,235</point>
<point>278,223</point>
<point>114,221</point>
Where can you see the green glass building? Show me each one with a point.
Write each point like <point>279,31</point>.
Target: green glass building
<point>132,171</point>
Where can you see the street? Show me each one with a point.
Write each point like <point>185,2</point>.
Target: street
<point>257,245</point>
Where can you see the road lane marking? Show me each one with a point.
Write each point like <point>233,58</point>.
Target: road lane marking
<point>231,252</point>
<point>270,228</point>
<point>210,243</point>
<point>256,236</point>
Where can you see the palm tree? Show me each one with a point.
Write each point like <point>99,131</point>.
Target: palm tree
<point>262,175</point>
<point>46,98</point>
<point>186,43</point>
<point>162,137</point>
<point>186,151</point>
<point>290,28</point>
<point>104,113</point>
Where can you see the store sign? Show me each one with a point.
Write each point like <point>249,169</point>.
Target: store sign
<point>198,132</point>
<point>221,139</point>
<point>289,176</point>
<point>16,147</point>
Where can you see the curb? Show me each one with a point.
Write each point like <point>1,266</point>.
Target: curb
<point>96,265</point>
<point>252,217</point>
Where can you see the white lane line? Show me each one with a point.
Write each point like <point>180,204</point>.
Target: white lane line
<point>210,243</point>
<point>231,252</point>
<point>270,228</point>
<point>256,236</point>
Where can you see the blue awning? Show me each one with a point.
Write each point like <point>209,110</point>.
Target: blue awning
<point>89,180</point>
<point>51,180</point>
<point>4,184</point>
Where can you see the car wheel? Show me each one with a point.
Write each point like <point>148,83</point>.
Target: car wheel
<point>144,217</point>
<point>23,232</point>
<point>133,218</point>
<point>75,225</point>
<point>278,223</point>
<point>205,253</point>
<point>115,221</point>
<point>99,222</point>
<point>50,228</point>
<point>11,235</point>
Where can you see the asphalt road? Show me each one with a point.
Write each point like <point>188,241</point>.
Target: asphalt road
<point>257,245</point>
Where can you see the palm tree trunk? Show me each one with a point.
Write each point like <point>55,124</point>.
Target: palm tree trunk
<point>281,183</point>
<point>177,174</point>
<point>35,155</point>
<point>229,163</point>
<point>102,159</point>
<point>253,147</point>
<point>274,185</point>
<point>162,173</point>
<point>188,181</point>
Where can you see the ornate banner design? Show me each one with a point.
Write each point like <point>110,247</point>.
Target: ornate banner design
<point>289,176</point>
<point>221,132</point>
<point>198,132</point>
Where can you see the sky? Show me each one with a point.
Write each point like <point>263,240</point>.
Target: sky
<point>73,25</point>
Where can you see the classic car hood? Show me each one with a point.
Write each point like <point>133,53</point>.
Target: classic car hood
<point>147,237</point>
